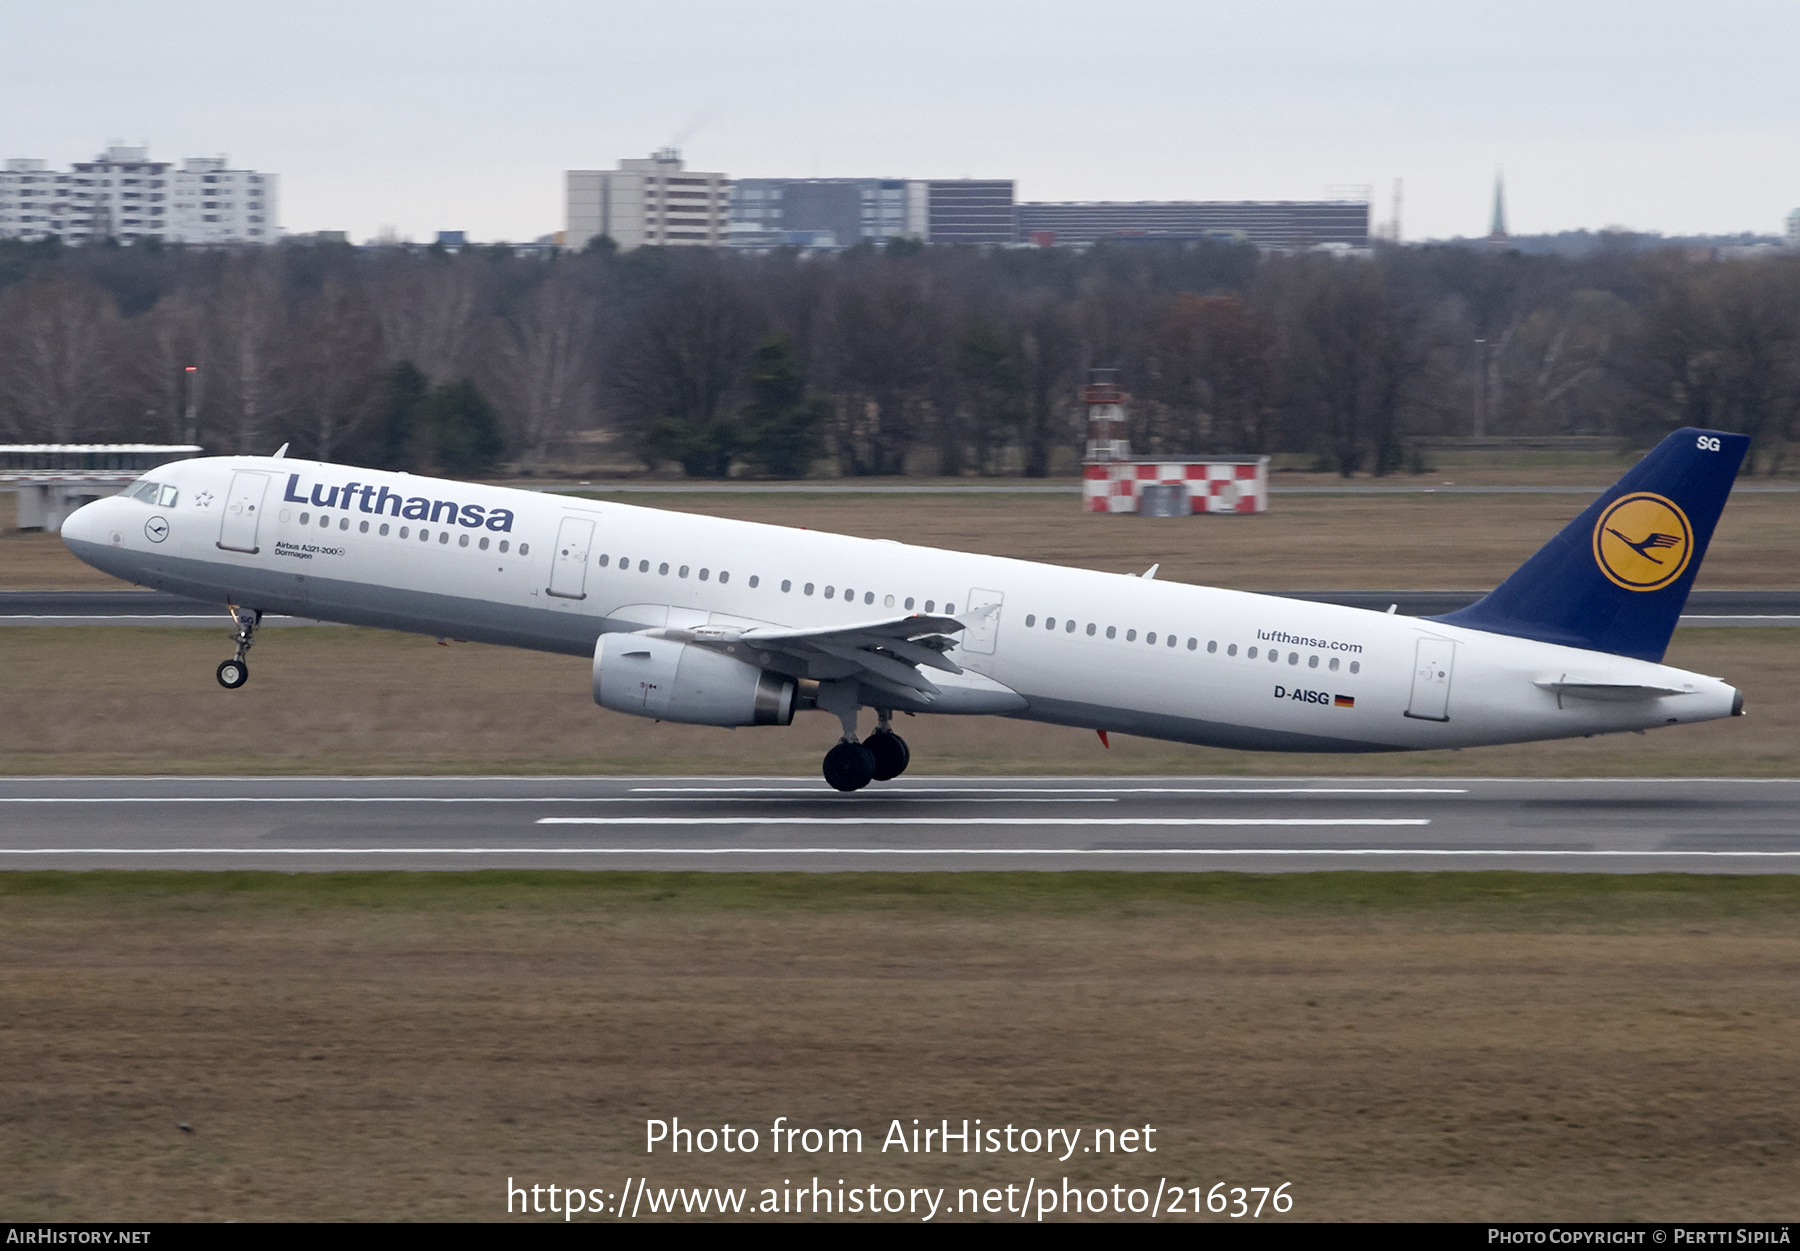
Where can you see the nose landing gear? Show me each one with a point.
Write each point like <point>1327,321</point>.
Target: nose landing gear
<point>235,672</point>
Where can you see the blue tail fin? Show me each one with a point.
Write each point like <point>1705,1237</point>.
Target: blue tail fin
<point>1616,578</point>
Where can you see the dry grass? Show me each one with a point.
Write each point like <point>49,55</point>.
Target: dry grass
<point>1336,542</point>
<point>1470,1047</point>
<point>122,700</point>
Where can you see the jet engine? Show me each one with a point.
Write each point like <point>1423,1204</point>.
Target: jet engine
<point>674,681</point>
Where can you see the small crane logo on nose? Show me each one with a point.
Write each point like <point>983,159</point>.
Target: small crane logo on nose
<point>156,529</point>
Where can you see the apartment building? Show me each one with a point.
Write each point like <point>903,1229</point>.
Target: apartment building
<point>122,194</point>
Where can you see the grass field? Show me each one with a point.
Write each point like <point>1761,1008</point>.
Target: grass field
<point>99,699</point>
<point>1398,1047</point>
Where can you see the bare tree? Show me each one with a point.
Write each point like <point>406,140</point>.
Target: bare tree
<point>546,360</point>
<point>57,337</point>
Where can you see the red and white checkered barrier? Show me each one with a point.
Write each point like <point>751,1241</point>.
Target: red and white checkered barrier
<point>1213,486</point>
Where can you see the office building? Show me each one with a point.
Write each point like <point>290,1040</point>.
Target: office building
<point>1266,223</point>
<point>656,202</point>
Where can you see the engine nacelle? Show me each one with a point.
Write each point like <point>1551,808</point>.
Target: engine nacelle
<point>671,681</point>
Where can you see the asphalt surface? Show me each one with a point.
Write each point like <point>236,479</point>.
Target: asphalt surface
<point>761,824</point>
<point>155,608</point>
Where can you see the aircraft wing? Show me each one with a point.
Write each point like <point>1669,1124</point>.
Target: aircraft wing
<point>887,653</point>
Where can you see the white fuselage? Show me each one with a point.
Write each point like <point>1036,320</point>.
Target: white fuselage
<point>1098,650</point>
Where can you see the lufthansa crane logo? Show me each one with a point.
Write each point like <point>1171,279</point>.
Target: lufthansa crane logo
<point>1642,542</point>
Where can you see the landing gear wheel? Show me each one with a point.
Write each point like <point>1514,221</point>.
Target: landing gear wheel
<point>890,753</point>
<point>849,766</point>
<point>233,674</point>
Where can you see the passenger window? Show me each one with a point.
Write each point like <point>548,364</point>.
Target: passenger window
<point>1232,651</point>
<point>605,560</point>
<point>424,535</point>
<point>324,522</point>
<point>828,593</point>
<point>682,572</point>
<point>1251,654</point>
<point>1212,646</point>
<point>786,586</point>
<point>704,574</point>
<point>1171,641</point>
<point>909,603</point>
<point>1112,632</point>
<point>504,544</point>
<point>1274,656</point>
<point>306,519</point>
<point>1293,658</point>
<point>1312,662</point>
<point>887,602</point>
<point>524,549</point>
<point>1131,636</point>
<point>1090,629</point>
<point>929,606</point>
<point>1049,623</point>
<point>849,595</point>
<point>362,527</point>
<point>384,530</point>
<point>1333,666</point>
<point>663,569</point>
<point>462,540</point>
<point>406,532</point>
<point>949,608</point>
<point>1069,626</point>
<point>1150,638</point>
<point>869,598</point>
<point>483,544</point>
<point>643,566</point>
<point>1193,644</point>
<point>1030,620</point>
<point>1356,666</point>
<point>443,537</point>
<point>344,523</point>
<point>807,589</point>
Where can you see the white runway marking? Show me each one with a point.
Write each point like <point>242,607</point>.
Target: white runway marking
<point>905,820</point>
<point>876,851</point>
<point>486,799</point>
<point>1065,790</point>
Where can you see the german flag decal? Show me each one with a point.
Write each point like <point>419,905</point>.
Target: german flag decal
<point>1343,701</point>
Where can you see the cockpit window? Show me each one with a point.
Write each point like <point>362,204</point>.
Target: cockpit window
<point>156,494</point>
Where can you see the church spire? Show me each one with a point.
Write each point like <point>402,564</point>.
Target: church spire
<point>1497,230</point>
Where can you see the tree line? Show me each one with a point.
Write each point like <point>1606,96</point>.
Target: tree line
<point>902,359</point>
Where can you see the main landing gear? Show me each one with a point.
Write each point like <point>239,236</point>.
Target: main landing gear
<point>235,672</point>
<point>851,765</point>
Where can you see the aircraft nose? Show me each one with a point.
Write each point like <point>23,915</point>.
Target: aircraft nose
<point>86,524</point>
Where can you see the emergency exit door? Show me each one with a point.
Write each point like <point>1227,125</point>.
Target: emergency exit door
<point>1434,660</point>
<point>568,564</point>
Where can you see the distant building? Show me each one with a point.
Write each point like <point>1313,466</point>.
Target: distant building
<point>1793,229</point>
<point>122,194</point>
<point>850,210</point>
<point>1497,226</point>
<point>870,210</point>
<point>657,202</point>
<point>1265,223</point>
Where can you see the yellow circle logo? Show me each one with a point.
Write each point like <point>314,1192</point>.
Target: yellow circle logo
<point>1642,542</point>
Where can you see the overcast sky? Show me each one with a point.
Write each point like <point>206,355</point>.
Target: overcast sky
<point>463,114</point>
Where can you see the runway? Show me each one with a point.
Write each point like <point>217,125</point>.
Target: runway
<point>1706,825</point>
<point>154,608</point>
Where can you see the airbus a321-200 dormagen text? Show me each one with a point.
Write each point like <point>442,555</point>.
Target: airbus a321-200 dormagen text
<point>731,623</point>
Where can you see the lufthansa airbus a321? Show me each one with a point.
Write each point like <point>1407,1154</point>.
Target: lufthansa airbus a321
<point>731,623</point>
